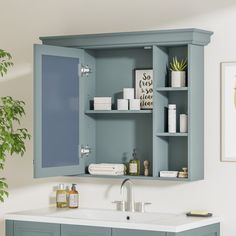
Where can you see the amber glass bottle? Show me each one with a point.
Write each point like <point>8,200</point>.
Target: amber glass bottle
<point>73,197</point>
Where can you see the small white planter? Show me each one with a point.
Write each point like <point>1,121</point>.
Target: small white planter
<point>178,79</point>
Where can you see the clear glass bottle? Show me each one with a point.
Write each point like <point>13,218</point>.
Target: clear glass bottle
<point>134,165</point>
<point>61,197</point>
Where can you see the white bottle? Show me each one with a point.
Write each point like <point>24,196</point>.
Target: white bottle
<point>183,123</point>
<point>172,118</point>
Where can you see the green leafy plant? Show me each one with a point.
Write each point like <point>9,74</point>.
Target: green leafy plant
<point>12,136</point>
<point>5,61</point>
<point>178,65</point>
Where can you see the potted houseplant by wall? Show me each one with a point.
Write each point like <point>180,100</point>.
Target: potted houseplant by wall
<point>178,72</point>
<point>12,135</point>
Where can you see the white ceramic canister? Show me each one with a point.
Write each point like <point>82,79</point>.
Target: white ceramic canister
<point>178,79</point>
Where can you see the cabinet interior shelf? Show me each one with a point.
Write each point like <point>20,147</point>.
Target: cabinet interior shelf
<point>118,112</point>
<point>172,134</point>
<point>134,177</point>
<point>118,176</point>
<point>163,89</point>
<point>172,179</point>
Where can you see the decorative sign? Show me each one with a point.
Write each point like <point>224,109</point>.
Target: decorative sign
<point>228,111</point>
<point>144,87</point>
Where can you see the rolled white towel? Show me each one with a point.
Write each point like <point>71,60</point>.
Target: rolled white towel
<point>106,169</point>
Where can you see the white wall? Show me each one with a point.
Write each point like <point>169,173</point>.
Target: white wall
<point>22,22</point>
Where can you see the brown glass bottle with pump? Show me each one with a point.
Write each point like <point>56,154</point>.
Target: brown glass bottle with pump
<point>73,198</point>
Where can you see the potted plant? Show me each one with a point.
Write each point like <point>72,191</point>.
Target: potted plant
<point>178,72</point>
<point>12,136</point>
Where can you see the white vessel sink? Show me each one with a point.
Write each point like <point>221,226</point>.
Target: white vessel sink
<point>111,215</point>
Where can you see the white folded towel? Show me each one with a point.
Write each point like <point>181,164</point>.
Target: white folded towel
<point>106,169</point>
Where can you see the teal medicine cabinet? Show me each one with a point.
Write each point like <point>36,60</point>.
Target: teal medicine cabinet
<point>70,70</point>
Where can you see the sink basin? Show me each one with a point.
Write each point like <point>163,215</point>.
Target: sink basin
<point>161,222</point>
<point>111,215</point>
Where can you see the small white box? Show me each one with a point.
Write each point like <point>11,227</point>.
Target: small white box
<point>102,103</point>
<point>134,104</point>
<point>102,106</point>
<point>128,93</point>
<point>169,174</point>
<point>122,104</point>
<point>102,100</point>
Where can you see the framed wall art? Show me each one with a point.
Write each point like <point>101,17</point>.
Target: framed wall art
<point>144,87</point>
<point>228,111</point>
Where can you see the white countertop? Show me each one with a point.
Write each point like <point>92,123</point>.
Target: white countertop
<point>142,221</point>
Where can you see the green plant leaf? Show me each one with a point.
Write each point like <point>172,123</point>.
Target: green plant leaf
<point>12,137</point>
<point>5,62</point>
<point>178,64</point>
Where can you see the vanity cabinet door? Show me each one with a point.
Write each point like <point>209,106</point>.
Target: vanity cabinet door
<point>77,230</point>
<point>132,232</point>
<point>209,230</point>
<point>59,123</point>
<point>23,228</point>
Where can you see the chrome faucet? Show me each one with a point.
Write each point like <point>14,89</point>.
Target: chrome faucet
<point>130,195</point>
<point>129,204</point>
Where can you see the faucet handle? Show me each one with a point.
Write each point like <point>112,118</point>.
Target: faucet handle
<point>147,203</point>
<point>140,206</point>
<point>120,205</point>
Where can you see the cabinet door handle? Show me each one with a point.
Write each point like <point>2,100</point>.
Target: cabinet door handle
<point>85,150</point>
<point>85,70</point>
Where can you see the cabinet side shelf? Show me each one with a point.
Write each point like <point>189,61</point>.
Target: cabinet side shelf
<point>171,89</point>
<point>173,179</point>
<point>172,134</point>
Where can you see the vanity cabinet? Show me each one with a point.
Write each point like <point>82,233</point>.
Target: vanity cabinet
<point>23,228</point>
<point>71,70</point>
<point>77,230</point>
<point>210,230</point>
<point>26,228</point>
<point>131,232</point>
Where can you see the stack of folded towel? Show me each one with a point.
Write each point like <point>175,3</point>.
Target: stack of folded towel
<point>106,169</point>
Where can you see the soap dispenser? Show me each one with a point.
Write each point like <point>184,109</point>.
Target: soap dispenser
<point>61,197</point>
<point>73,197</point>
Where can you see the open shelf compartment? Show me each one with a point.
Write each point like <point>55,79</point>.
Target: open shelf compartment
<point>117,133</point>
<point>173,155</point>
<point>170,150</point>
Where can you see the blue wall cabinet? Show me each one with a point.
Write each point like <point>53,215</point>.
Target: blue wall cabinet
<point>21,228</point>
<point>77,230</point>
<point>64,115</point>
